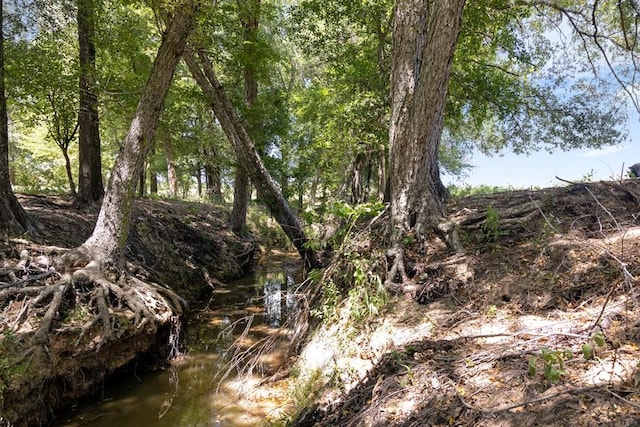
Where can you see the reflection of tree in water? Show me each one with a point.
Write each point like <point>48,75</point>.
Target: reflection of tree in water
<point>278,302</point>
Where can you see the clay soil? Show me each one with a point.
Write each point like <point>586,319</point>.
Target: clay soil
<point>535,323</point>
<point>182,246</point>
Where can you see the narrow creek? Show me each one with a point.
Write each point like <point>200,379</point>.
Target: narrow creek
<point>195,391</point>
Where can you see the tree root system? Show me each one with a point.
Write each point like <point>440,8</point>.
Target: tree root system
<point>67,322</point>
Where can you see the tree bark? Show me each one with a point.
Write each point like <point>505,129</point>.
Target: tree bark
<point>172,174</point>
<point>202,71</point>
<point>424,38</point>
<point>241,195</point>
<point>90,185</point>
<point>141,182</point>
<point>425,33</point>
<point>13,218</point>
<point>109,237</point>
<point>153,182</point>
<point>67,166</point>
<point>212,175</point>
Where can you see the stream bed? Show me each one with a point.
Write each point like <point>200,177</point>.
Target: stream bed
<point>199,390</point>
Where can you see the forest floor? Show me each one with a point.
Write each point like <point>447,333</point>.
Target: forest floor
<point>176,245</point>
<point>535,323</point>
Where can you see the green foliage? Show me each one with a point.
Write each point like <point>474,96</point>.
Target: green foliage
<point>361,211</point>
<point>328,308</point>
<point>491,226</point>
<point>588,349</point>
<point>466,191</point>
<point>368,294</point>
<point>263,225</point>
<point>302,395</point>
<point>553,363</point>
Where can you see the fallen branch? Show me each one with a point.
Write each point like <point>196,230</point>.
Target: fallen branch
<point>506,408</point>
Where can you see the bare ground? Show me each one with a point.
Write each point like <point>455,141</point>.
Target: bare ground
<point>64,331</point>
<point>535,323</point>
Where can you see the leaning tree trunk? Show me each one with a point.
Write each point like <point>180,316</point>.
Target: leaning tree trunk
<point>202,71</point>
<point>13,218</point>
<point>425,33</point>
<point>90,186</point>
<point>109,237</point>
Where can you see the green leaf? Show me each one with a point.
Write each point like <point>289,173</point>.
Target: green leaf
<point>598,338</point>
<point>531,366</point>
<point>587,351</point>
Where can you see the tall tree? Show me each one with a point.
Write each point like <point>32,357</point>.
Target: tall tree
<point>13,218</point>
<point>107,242</point>
<point>249,11</point>
<point>246,152</point>
<point>425,33</point>
<point>90,186</point>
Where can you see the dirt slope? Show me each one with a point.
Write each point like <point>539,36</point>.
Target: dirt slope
<point>536,323</point>
<point>178,245</point>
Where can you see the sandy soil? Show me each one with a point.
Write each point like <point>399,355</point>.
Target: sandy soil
<point>535,323</point>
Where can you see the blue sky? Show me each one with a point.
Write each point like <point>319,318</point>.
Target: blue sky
<point>540,169</point>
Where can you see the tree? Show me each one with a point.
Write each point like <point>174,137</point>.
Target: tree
<point>90,186</point>
<point>249,11</point>
<point>246,152</point>
<point>425,33</point>
<point>45,90</point>
<point>107,242</point>
<point>13,218</point>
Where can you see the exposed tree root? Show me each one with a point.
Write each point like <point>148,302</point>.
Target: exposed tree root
<point>100,305</point>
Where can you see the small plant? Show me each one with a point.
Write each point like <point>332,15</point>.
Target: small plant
<point>491,226</point>
<point>353,213</point>
<point>492,311</point>
<point>554,364</point>
<point>588,349</point>
<point>368,294</point>
<point>588,177</point>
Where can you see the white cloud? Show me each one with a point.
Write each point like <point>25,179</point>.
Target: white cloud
<point>602,151</point>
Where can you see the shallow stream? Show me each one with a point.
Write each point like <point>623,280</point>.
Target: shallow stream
<point>195,392</point>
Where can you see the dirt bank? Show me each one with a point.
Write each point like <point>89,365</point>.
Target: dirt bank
<point>534,323</point>
<point>174,245</point>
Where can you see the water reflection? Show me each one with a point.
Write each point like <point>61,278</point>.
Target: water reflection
<point>246,311</point>
<point>279,299</point>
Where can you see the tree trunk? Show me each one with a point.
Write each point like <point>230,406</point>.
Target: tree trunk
<point>241,195</point>
<point>425,33</point>
<point>172,174</point>
<point>314,190</point>
<point>141,182</point>
<point>360,178</point>
<point>13,218</point>
<point>424,39</point>
<point>212,175</point>
<point>198,173</point>
<point>90,186</point>
<point>249,11</point>
<point>247,154</point>
<point>153,182</point>
<point>109,237</point>
<point>67,166</point>
<point>382,172</point>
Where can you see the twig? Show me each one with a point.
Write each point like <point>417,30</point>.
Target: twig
<point>567,181</point>
<point>528,402</point>
<point>32,278</point>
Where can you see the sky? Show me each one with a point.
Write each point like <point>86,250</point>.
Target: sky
<point>540,169</point>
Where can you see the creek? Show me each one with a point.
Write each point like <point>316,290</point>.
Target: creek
<point>197,391</point>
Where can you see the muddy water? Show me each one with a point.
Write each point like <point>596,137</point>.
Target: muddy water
<point>195,392</point>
